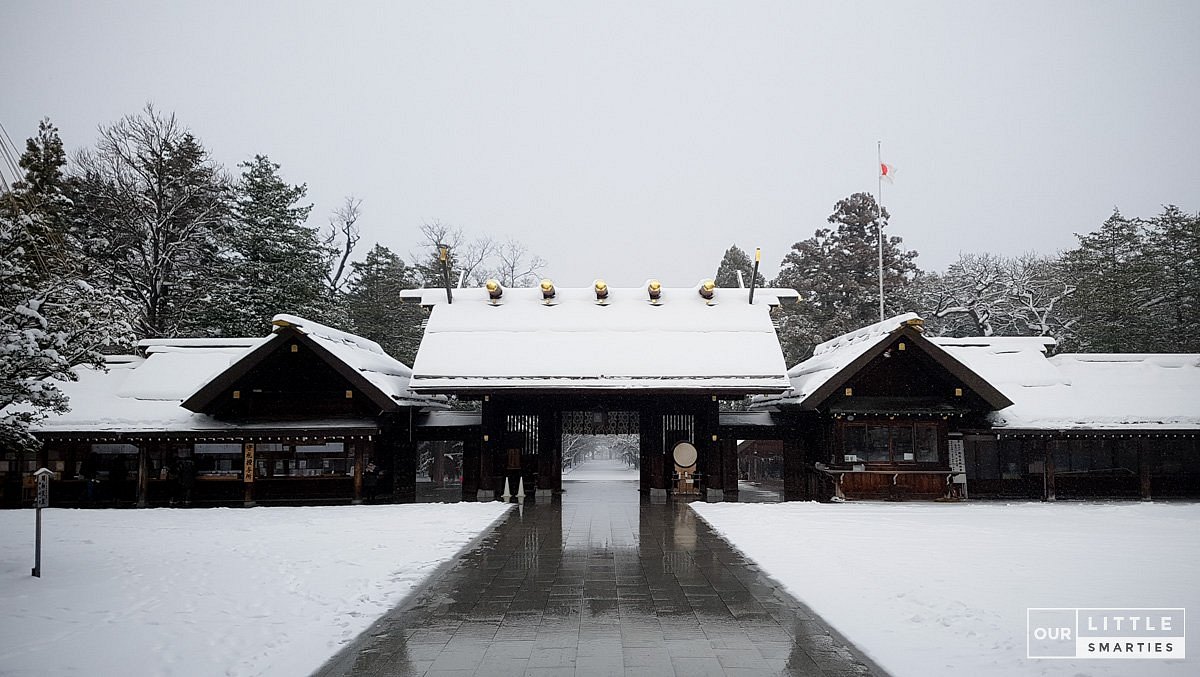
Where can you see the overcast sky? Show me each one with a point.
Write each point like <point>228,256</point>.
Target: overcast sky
<point>636,140</point>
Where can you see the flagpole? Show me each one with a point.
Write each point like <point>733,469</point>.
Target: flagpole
<point>879,206</point>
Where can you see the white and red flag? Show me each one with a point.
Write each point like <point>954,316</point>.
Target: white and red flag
<point>886,171</point>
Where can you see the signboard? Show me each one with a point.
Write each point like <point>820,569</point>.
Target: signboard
<point>42,499</point>
<point>248,462</point>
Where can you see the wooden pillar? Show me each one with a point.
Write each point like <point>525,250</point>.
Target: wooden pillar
<point>357,448</point>
<point>794,481</point>
<point>1049,449</point>
<point>650,424</point>
<point>248,474</point>
<point>729,467</point>
<point>1144,465</point>
<point>556,436</point>
<point>472,450</point>
<point>708,438</point>
<point>546,451</point>
<point>404,487</point>
<point>492,418</point>
<point>143,479</point>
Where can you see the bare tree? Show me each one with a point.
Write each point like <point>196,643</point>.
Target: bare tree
<point>466,258</point>
<point>1036,291</point>
<point>341,240</point>
<point>154,207</point>
<point>971,288</point>
<point>515,265</point>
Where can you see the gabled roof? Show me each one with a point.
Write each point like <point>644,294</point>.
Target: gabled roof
<point>1081,391</point>
<point>838,360</point>
<point>680,343</point>
<point>362,362</point>
<point>141,395</point>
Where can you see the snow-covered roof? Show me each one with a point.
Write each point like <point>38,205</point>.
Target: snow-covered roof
<point>1073,391</point>
<point>682,342</point>
<point>386,373</point>
<point>834,360</point>
<point>140,394</point>
<point>384,379</point>
<point>144,394</point>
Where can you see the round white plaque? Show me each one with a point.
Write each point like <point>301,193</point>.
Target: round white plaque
<point>684,454</point>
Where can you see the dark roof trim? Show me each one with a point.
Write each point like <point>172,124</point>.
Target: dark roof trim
<point>994,398</point>
<point>203,398</point>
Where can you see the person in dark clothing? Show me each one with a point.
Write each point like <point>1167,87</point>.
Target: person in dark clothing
<point>187,478</point>
<point>371,481</point>
<point>87,470</point>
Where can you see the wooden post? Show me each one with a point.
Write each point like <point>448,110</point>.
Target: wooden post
<point>472,450</point>
<point>1144,470</point>
<point>1050,447</point>
<point>357,447</point>
<point>794,487</point>
<point>143,472</point>
<point>651,442</point>
<point>492,447</point>
<point>729,468</point>
<point>405,465</point>
<point>547,458</point>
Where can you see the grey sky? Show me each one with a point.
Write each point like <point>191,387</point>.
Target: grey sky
<point>631,140</point>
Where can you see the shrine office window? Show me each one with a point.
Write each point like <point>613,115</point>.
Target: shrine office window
<point>890,442</point>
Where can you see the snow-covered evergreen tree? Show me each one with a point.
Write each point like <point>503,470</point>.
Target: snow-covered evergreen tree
<point>1114,294</point>
<point>275,263</point>
<point>734,260</point>
<point>1173,255</point>
<point>51,319</point>
<point>836,273</point>
<point>374,305</point>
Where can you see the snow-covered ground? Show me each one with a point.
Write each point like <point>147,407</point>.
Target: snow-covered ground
<point>602,471</point>
<point>941,589</point>
<point>264,591</point>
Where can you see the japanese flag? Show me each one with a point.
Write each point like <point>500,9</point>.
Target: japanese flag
<point>886,171</point>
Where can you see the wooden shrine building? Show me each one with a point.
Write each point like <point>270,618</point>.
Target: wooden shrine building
<point>650,361</point>
<point>307,414</point>
<point>313,414</point>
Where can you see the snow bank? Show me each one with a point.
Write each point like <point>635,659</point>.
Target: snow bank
<point>264,591</point>
<point>939,589</point>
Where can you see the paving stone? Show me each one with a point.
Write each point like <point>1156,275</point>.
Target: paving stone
<point>600,584</point>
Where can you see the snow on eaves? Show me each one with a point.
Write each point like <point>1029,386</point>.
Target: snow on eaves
<point>831,357</point>
<point>143,394</point>
<point>386,373</point>
<point>1077,391</point>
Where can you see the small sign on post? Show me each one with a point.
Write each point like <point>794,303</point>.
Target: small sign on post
<point>42,500</point>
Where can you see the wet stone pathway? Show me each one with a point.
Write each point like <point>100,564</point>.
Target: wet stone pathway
<point>600,584</point>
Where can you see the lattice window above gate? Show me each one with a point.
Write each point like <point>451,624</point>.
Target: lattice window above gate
<point>600,422</point>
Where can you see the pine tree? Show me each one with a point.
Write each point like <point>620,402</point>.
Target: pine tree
<point>836,271</point>
<point>274,263</point>
<point>375,308</point>
<point>1113,276</point>
<point>51,319</point>
<point>154,209</point>
<point>734,260</point>
<point>1173,255</point>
